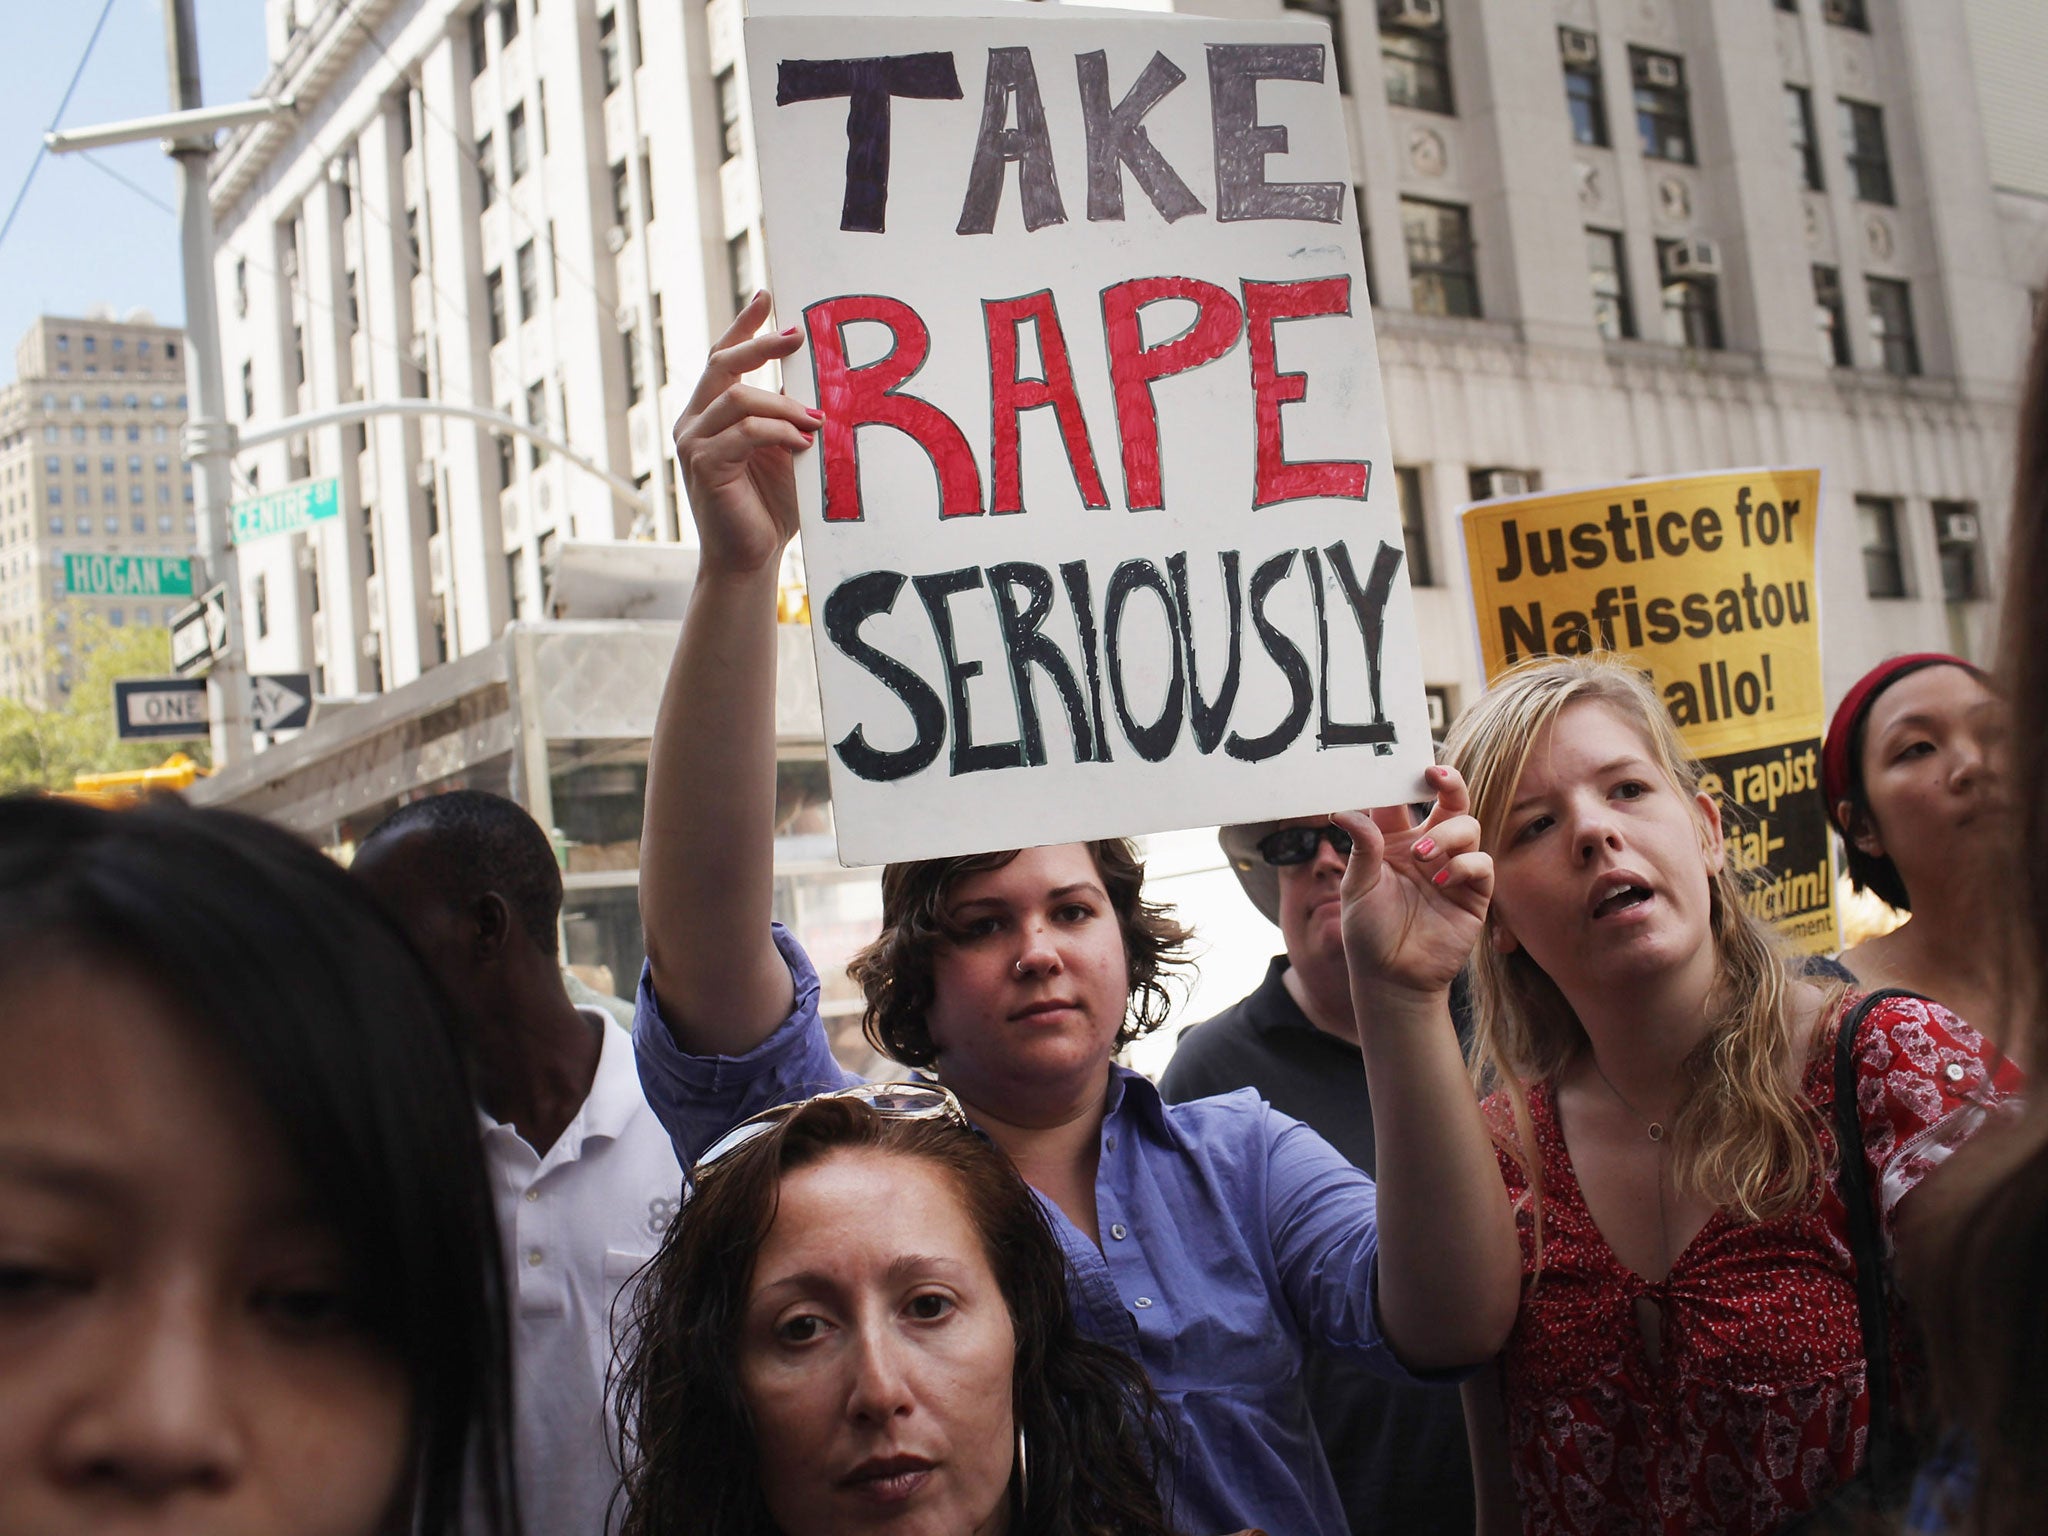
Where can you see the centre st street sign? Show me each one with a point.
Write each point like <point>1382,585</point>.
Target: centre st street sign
<point>127,576</point>
<point>289,510</point>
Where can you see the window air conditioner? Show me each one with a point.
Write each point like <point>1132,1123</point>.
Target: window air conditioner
<point>371,644</point>
<point>437,564</point>
<point>1422,15</point>
<point>1958,528</point>
<point>1661,72</point>
<point>624,318</point>
<point>1836,12</point>
<point>1692,258</point>
<point>1578,47</point>
<point>1504,482</point>
<point>423,474</point>
<point>616,237</point>
<point>308,555</point>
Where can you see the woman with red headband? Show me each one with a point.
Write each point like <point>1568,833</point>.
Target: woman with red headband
<point>1912,771</point>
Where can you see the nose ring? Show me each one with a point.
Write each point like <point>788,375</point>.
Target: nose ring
<point>1020,969</point>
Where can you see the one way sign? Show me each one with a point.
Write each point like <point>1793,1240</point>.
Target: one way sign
<point>281,702</point>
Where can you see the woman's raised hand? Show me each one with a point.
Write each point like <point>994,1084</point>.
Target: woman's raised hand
<point>735,442</point>
<point>1415,897</point>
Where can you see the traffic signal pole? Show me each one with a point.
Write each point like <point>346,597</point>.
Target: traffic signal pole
<point>209,435</point>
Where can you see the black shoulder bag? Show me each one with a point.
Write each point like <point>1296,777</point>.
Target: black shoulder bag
<point>1890,1458</point>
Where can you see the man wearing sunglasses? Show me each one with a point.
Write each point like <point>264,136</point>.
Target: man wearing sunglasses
<point>1398,1452</point>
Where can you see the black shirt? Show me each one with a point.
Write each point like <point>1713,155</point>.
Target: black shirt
<point>1398,1452</point>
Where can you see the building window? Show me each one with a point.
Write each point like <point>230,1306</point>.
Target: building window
<point>494,296</point>
<point>1414,524</point>
<point>1692,310</point>
<point>537,418</point>
<point>1846,13</point>
<point>1331,11</point>
<point>1870,168</point>
<point>608,50</point>
<point>1891,322</point>
<point>540,110</point>
<point>1417,64</point>
<point>135,499</point>
<point>505,458</point>
<point>1443,276</point>
<point>739,268</point>
<point>248,390</point>
<point>1830,320</point>
<point>1606,266</point>
<point>412,238</point>
<point>515,141</point>
<point>1584,96</point>
<point>116,617</point>
<point>1884,570</point>
<point>1955,540</point>
<point>1799,121</point>
<point>636,371</point>
<point>479,54</point>
<point>529,281</point>
<point>647,183</point>
<point>163,519</point>
<point>622,197</point>
<point>728,113</point>
<point>508,22</point>
<point>1663,116</point>
<point>63,342</point>
<point>261,606</point>
<point>486,178</point>
<point>92,344</point>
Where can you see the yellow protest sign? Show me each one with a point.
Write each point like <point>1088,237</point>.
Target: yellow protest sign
<point>1708,581</point>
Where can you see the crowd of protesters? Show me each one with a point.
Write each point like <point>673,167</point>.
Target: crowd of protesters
<point>1537,1188</point>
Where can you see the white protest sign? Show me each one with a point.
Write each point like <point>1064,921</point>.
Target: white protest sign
<point>1100,526</point>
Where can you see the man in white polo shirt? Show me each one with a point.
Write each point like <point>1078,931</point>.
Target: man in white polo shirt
<point>583,1176</point>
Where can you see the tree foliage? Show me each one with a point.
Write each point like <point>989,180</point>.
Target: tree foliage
<point>49,748</point>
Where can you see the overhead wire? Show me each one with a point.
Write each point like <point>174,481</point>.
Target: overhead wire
<point>57,117</point>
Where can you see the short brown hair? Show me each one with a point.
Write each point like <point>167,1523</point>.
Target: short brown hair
<point>895,972</point>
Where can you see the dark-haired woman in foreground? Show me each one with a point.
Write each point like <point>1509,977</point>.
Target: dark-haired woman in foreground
<point>860,1322</point>
<point>1211,1240</point>
<point>248,1273</point>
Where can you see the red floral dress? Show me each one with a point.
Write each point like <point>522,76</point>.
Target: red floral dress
<point>1757,1408</point>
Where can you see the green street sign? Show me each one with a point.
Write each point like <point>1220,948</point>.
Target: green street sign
<point>287,511</point>
<point>127,576</point>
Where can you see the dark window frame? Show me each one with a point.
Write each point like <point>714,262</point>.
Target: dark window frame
<point>1695,304</point>
<point>1414,524</point>
<point>1961,575</point>
<point>1452,266</point>
<point>1865,151</point>
<point>1585,94</point>
<point>1891,325</point>
<point>1611,243</point>
<point>1415,67</point>
<point>1884,560</point>
<point>1805,141</point>
<point>1831,317</point>
<point>1663,112</point>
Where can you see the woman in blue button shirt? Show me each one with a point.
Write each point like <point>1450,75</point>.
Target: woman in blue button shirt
<point>1212,1240</point>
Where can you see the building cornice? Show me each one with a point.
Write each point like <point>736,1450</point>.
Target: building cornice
<point>318,54</point>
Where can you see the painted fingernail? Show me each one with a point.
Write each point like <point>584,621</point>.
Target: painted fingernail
<point>794,330</point>
<point>1425,848</point>
<point>1443,874</point>
<point>814,414</point>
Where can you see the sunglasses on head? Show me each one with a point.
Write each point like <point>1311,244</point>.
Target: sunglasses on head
<point>893,1101</point>
<point>1297,845</point>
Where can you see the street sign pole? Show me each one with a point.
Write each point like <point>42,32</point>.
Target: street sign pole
<point>209,436</point>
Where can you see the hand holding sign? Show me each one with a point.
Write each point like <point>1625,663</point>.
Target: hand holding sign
<point>1415,898</point>
<point>734,443</point>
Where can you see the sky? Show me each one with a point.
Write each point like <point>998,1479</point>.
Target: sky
<point>81,238</point>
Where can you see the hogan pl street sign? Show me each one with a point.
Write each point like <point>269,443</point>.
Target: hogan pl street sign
<point>166,708</point>
<point>199,632</point>
<point>127,576</point>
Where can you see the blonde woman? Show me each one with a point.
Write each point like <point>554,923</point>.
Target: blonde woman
<point>1687,1355</point>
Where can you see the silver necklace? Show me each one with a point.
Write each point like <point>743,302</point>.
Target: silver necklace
<point>1654,1127</point>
